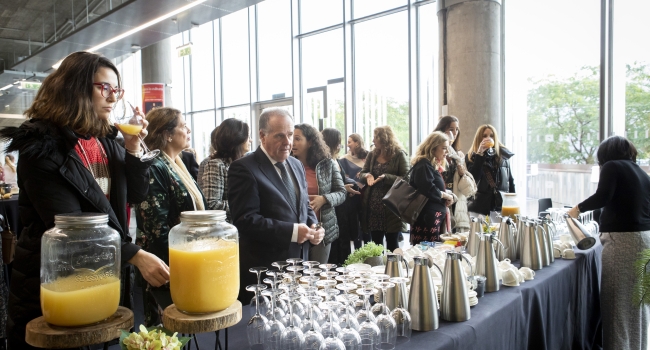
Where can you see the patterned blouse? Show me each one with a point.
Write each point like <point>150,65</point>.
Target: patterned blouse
<point>161,211</point>
<point>213,181</point>
<point>377,215</point>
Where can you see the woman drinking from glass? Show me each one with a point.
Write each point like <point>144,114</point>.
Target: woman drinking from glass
<point>489,162</point>
<point>172,190</point>
<point>383,165</point>
<point>324,185</point>
<point>70,162</point>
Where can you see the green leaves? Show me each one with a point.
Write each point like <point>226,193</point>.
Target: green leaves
<point>367,251</point>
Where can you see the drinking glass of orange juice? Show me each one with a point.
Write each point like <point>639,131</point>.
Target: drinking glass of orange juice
<point>129,122</point>
<point>490,145</point>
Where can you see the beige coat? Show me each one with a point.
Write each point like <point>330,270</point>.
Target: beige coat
<point>464,187</point>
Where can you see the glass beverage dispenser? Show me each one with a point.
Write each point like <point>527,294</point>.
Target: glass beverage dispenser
<point>203,262</point>
<point>80,270</point>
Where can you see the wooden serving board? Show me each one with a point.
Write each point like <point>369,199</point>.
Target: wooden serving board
<point>44,335</point>
<point>177,321</point>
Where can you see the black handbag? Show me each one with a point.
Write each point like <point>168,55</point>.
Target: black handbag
<point>404,201</point>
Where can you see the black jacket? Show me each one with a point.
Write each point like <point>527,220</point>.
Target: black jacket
<point>190,163</point>
<point>53,180</point>
<point>429,183</point>
<point>486,198</point>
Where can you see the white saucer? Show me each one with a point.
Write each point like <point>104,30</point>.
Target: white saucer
<point>511,285</point>
<point>529,279</point>
<point>359,267</point>
<point>568,258</point>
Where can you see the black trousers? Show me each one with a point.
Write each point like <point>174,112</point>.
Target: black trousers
<point>391,239</point>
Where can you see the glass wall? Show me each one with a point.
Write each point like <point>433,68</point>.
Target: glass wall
<point>261,54</point>
<point>632,75</point>
<point>381,76</point>
<point>553,77</point>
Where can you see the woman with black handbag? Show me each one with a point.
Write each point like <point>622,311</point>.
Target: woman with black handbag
<point>489,162</point>
<point>428,164</point>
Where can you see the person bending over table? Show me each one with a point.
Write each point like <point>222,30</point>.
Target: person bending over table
<point>624,195</point>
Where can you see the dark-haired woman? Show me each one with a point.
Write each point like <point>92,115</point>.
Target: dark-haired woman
<point>231,141</point>
<point>71,163</point>
<point>455,174</point>
<point>324,184</point>
<point>172,190</point>
<point>624,195</point>
<point>352,163</point>
<point>347,214</point>
<point>383,165</point>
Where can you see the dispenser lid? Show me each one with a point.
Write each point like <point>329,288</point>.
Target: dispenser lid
<point>203,215</point>
<point>81,218</point>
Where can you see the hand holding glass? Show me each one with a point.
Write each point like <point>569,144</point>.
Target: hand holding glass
<point>129,121</point>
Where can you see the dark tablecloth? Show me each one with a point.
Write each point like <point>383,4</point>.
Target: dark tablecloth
<point>559,309</point>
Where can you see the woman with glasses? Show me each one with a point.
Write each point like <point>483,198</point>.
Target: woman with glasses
<point>71,163</point>
<point>172,190</point>
<point>231,141</point>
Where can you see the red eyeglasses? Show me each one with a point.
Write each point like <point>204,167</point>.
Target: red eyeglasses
<point>107,91</point>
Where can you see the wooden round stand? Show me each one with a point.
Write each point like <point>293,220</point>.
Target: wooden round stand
<point>43,335</point>
<point>177,321</point>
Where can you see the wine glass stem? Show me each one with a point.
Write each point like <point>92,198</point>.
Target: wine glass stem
<point>291,312</point>
<point>331,322</point>
<point>347,311</point>
<point>257,304</point>
<point>384,307</point>
<point>146,149</point>
<point>367,302</point>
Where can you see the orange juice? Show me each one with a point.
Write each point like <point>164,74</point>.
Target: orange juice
<point>69,302</point>
<point>509,211</point>
<point>204,275</point>
<point>130,129</point>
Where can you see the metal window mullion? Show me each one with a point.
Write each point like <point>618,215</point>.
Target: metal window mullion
<point>412,75</point>
<point>381,14</point>
<point>221,69</point>
<point>214,78</point>
<point>348,76</point>
<point>320,31</point>
<point>296,61</point>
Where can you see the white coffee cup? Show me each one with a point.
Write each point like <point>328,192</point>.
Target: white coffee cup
<point>528,273</point>
<point>566,238</point>
<point>557,252</point>
<point>568,254</point>
<point>510,278</point>
<point>505,264</point>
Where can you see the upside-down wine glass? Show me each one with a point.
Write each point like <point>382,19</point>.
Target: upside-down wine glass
<point>368,330</point>
<point>275,327</point>
<point>257,325</point>
<point>385,322</point>
<point>292,336</point>
<point>129,122</point>
<point>332,342</point>
<point>400,314</point>
<point>380,307</point>
<point>349,334</point>
<point>275,311</point>
<point>362,315</point>
<point>313,337</point>
<point>264,301</point>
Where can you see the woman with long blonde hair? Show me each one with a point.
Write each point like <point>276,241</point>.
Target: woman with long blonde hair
<point>489,162</point>
<point>429,162</point>
<point>382,167</point>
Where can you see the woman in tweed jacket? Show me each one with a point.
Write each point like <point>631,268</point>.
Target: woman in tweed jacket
<point>230,141</point>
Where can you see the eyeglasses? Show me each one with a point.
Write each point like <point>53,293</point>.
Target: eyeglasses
<point>107,91</point>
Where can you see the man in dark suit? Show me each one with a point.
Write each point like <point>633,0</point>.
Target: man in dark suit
<point>267,194</point>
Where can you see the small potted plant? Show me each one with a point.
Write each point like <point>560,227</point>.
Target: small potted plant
<point>153,338</point>
<point>371,254</point>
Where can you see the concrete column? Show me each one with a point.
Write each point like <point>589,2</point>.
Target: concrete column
<point>470,64</point>
<point>157,66</point>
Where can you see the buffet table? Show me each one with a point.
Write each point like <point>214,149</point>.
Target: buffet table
<point>559,309</point>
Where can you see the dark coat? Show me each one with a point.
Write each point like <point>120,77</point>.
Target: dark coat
<point>261,211</point>
<point>397,167</point>
<point>330,186</point>
<point>53,180</point>
<point>487,199</point>
<point>429,183</point>
<point>192,166</point>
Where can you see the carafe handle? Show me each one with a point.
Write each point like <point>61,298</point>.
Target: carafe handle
<point>401,257</point>
<point>438,267</point>
<point>498,241</point>
<point>471,269</point>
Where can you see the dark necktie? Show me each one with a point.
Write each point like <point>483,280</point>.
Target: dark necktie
<point>288,183</point>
